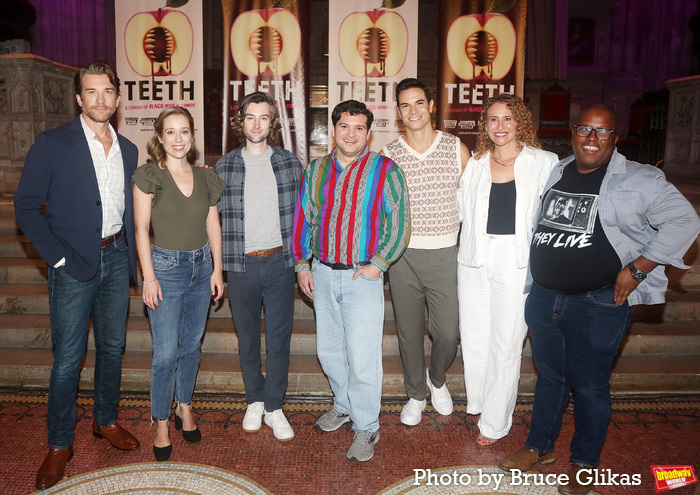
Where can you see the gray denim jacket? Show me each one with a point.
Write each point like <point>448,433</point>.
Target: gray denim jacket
<point>642,215</point>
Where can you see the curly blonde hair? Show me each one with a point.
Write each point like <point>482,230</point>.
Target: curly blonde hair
<point>154,148</point>
<point>524,129</point>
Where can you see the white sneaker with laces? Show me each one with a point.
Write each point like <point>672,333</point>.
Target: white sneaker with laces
<point>411,414</point>
<point>279,424</point>
<point>253,417</point>
<point>440,398</point>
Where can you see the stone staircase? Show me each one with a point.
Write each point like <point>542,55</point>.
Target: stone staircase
<point>661,353</point>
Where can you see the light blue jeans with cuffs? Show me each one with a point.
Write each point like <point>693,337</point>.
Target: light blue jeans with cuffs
<point>349,334</point>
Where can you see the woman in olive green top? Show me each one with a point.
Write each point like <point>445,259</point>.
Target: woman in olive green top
<point>181,271</point>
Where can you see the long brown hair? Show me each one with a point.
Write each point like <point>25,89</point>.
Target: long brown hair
<point>524,129</point>
<point>155,149</point>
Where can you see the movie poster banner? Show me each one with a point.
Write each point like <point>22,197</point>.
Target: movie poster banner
<point>371,49</point>
<point>159,62</point>
<point>482,54</point>
<point>263,51</point>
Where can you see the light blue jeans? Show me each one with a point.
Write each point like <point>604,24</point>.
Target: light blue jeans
<point>177,325</point>
<point>349,331</point>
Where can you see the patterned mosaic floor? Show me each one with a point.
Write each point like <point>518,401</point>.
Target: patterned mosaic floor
<point>642,432</point>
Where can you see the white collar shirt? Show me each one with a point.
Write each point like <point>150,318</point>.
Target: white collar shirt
<point>110,179</point>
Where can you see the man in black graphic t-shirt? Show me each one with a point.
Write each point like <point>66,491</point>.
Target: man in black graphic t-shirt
<point>606,229</point>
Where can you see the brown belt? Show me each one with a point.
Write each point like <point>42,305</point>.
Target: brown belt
<point>108,241</point>
<point>265,252</point>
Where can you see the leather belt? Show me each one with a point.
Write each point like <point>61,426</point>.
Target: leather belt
<point>108,241</point>
<point>265,252</point>
<point>340,266</point>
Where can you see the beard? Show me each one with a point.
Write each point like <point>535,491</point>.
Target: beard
<point>255,139</point>
<point>99,115</point>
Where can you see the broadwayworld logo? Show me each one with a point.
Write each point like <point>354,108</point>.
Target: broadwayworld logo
<point>670,477</point>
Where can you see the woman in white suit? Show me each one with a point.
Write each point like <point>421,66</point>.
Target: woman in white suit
<point>499,197</point>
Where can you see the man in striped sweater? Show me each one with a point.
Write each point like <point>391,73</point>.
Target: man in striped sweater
<point>351,223</point>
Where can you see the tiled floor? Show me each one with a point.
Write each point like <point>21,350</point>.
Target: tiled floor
<point>643,432</point>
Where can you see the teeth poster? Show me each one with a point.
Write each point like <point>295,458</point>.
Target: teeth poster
<point>265,50</point>
<point>159,63</point>
<point>482,54</point>
<point>371,48</point>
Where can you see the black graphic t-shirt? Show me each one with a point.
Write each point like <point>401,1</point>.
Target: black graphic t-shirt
<point>570,252</point>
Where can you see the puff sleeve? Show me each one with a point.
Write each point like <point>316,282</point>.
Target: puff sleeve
<point>148,179</point>
<point>215,186</point>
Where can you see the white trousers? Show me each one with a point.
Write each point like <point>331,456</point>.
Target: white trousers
<point>492,329</point>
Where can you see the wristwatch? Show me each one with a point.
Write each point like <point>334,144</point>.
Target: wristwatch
<point>638,275</point>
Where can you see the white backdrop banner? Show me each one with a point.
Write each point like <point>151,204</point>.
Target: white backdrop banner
<point>370,50</point>
<point>160,64</point>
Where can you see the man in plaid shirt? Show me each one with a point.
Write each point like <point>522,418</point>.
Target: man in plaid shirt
<point>257,209</point>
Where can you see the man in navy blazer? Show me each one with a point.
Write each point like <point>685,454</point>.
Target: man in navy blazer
<point>82,172</point>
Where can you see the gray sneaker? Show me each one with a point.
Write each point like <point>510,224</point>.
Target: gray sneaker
<point>362,448</point>
<point>332,420</point>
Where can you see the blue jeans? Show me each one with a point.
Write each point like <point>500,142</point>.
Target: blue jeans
<point>71,303</point>
<point>177,325</point>
<point>349,331</point>
<point>265,281</point>
<point>574,339</point>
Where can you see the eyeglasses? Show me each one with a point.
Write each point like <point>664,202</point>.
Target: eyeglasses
<point>602,134</point>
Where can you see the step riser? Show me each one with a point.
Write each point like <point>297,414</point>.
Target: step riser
<point>139,340</point>
<point>303,310</point>
<point>316,384</point>
<point>678,279</point>
<point>17,250</point>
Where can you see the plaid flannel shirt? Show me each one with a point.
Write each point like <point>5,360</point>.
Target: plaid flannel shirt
<point>231,168</point>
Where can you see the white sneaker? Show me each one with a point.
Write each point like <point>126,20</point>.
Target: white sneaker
<point>279,424</point>
<point>253,417</point>
<point>440,398</point>
<point>411,412</point>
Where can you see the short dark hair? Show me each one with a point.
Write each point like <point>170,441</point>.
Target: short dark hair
<point>603,107</point>
<point>409,83</point>
<point>352,107</point>
<point>156,150</point>
<point>258,97</point>
<point>96,68</point>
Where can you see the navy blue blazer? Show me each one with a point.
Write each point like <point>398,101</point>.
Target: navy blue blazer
<point>59,171</point>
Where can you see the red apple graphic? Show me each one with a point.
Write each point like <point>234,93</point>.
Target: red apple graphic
<point>265,42</point>
<point>159,43</point>
<point>481,46</point>
<point>373,44</point>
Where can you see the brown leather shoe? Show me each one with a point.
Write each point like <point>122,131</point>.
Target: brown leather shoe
<point>52,468</point>
<point>116,435</point>
<point>573,487</point>
<point>524,458</point>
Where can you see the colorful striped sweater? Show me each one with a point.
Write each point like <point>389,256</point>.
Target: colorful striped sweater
<point>353,214</point>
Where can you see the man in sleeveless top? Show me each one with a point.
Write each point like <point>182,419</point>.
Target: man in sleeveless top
<point>257,209</point>
<point>432,162</point>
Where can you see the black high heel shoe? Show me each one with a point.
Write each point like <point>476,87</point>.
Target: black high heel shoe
<point>163,453</point>
<point>191,436</point>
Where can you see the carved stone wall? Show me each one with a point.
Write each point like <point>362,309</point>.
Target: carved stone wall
<point>683,129</point>
<point>35,95</point>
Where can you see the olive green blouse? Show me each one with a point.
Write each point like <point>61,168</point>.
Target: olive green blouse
<point>179,221</point>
